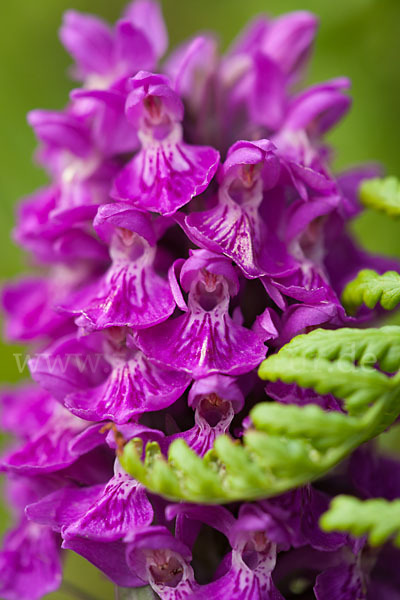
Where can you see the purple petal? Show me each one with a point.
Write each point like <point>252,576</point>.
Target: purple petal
<point>203,344</point>
<point>289,40</point>
<point>154,107</point>
<point>198,56</point>
<point>111,131</point>
<point>64,506</point>
<point>301,214</point>
<point>61,130</point>
<point>128,295</point>
<point>349,183</point>
<point>249,578</point>
<point>224,387</point>
<point>49,223</point>
<point>213,418</point>
<point>300,318</point>
<point>252,36</point>
<point>29,306</point>
<point>217,517</point>
<point>375,476</point>
<point>203,260</point>
<point>133,48</point>
<point>298,512</point>
<point>293,394</point>
<point>49,449</point>
<point>122,507</point>
<point>89,40</point>
<point>228,228</point>
<point>165,176</point>
<point>305,285</point>
<point>385,580</point>
<point>30,565</point>
<point>70,364</point>
<point>319,107</point>
<point>146,15</point>
<point>154,537</point>
<point>103,513</point>
<point>25,409</point>
<point>345,259</point>
<point>162,560</point>
<point>343,582</point>
<point>118,214</point>
<point>268,99</point>
<point>266,325</point>
<point>133,388</point>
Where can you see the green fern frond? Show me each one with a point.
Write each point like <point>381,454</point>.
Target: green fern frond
<point>357,386</point>
<point>288,445</point>
<point>363,347</point>
<point>378,518</point>
<point>382,195</point>
<point>370,288</point>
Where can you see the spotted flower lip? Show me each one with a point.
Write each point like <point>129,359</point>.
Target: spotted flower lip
<point>99,512</point>
<point>192,224</point>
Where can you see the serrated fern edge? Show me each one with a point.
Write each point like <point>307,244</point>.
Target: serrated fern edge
<point>377,518</point>
<point>370,288</point>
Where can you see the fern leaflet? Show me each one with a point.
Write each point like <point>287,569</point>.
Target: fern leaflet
<point>382,195</point>
<point>378,518</point>
<point>370,288</point>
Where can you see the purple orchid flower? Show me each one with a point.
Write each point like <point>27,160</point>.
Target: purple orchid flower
<point>235,227</point>
<point>246,571</point>
<point>163,561</point>
<point>126,295</point>
<point>167,173</point>
<point>206,339</point>
<point>215,399</point>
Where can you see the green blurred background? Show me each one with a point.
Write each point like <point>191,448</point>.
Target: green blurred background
<point>357,38</point>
